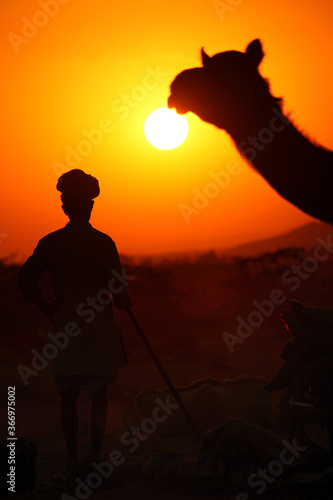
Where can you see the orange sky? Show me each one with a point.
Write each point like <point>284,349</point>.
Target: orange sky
<point>96,64</point>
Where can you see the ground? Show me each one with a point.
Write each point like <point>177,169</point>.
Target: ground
<point>184,307</point>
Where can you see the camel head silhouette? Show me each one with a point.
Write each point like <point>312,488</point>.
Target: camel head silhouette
<point>229,92</point>
<point>226,91</point>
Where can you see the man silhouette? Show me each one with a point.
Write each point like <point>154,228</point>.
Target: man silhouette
<point>85,268</point>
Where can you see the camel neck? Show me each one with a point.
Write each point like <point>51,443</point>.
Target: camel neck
<point>288,160</point>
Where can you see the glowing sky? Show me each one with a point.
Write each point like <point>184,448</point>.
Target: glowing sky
<point>102,65</point>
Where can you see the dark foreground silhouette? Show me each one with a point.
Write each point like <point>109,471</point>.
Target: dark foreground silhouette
<point>85,269</point>
<point>186,328</point>
<point>229,92</point>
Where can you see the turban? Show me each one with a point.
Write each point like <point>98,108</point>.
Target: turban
<point>75,184</point>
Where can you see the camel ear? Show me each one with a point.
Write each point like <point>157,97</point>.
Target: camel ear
<point>254,52</point>
<point>204,57</point>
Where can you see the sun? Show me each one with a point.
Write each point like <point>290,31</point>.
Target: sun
<point>165,129</point>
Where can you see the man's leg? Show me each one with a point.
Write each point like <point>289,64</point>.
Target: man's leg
<point>99,410</point>
<point>70,423</point>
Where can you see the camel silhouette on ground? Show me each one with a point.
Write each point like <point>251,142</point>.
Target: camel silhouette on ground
<point>229,92</point>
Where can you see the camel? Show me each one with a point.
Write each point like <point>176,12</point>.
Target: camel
<point>229,92</point>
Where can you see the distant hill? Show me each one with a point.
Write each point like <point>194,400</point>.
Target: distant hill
<point>304,236</point>
<point>301,237</point>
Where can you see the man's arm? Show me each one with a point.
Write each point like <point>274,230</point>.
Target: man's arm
<point>119,279</point>
<point>28,280</point>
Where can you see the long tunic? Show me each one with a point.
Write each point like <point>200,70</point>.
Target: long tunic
<point>85,268</point>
